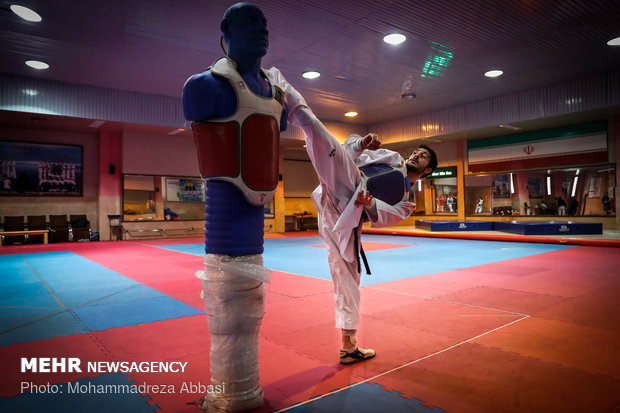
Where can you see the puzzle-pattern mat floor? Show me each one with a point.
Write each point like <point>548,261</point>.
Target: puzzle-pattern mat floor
<point>458,325</point>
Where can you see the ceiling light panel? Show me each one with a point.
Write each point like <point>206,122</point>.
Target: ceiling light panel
<point>614,42</point>
<point>494,73</point>
<point>394,38</point>
<point>36,64</point>
<point>26,13</point>
<point>311,74</point>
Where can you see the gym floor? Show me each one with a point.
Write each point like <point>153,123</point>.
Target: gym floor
<point>459,325</point>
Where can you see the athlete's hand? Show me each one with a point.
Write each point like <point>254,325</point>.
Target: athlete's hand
<point>363,198</point>
<point>371,142</point>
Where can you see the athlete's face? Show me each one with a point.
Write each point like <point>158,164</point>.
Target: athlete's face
<point>419,160</point>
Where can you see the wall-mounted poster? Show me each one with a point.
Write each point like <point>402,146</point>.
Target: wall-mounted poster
<point>185,190</point>
<point>594,187</point>
<point>40,169</point>
<point>566,184</point>
<point>534,187</point>
<point>269,210</point>
<point>501,186</point>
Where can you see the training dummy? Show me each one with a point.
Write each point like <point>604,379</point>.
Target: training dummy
<point>237,116</point>
<point>346,197</point>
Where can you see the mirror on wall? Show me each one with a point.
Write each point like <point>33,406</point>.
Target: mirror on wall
<point>589,191</point>
<point>167,198</point>
<point>162,198</point>
<point>444,190</point>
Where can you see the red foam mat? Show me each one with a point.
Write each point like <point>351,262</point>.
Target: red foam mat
<point>536,333</point>
<point>83,346</point>
<point>473,378</point>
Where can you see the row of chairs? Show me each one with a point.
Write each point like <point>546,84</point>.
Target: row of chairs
<point>76,228</point>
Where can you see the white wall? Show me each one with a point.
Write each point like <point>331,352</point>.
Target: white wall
<point>159,155</point>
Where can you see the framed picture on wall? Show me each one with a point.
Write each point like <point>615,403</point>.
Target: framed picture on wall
<point>185,190</point>
<point>269,210</point>
<point>595,187</point>
<point>534,187</point>
<point>40,169</point>
<point>501,186</point>
<point>566,184</point>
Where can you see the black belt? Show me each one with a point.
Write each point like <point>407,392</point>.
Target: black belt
<point>359,250</point>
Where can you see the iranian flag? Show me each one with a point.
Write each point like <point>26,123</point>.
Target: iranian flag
<point>574,145</point>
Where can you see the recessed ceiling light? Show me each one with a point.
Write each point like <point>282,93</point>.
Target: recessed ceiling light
<point>510,127</point>
<point>30,92</point>
<point>494,73</point>
<point>311,74</point>
<point>394,38</point>
<point>26,13</point>
<point>37,64</point>
<point>614,42</point>
<point>351,114</point>
<point>96,123</point>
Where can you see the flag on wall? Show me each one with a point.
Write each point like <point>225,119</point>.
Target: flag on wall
<point>573,145</point>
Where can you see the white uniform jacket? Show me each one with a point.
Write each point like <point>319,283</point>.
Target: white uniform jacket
<point>339,199</point>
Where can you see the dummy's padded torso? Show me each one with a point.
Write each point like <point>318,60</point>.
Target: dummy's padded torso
<point>256,163</point>
<point>238,155</point>
<point>242,148</point>
<point>232,225</point>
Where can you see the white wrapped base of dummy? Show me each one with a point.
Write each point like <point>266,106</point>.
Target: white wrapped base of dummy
<point>235,305</point>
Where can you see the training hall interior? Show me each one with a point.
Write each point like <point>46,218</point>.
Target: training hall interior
<point>517,227</point>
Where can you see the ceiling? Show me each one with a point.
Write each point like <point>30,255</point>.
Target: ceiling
<point>154,46</point>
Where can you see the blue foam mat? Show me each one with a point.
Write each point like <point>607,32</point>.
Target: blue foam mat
<point>365,397</point>
<point>425,255</point>
<point>74,279</point>
<point>93,298</point>
<point>455,225</point>
<point>560,228</point>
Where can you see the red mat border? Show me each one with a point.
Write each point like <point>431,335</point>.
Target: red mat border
<point>593,242</point>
